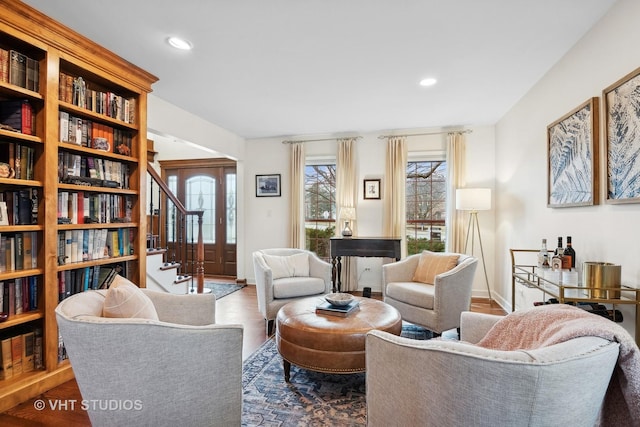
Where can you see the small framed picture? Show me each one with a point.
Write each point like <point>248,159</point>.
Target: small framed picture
<point>371,189</point>
<point>268,185</point>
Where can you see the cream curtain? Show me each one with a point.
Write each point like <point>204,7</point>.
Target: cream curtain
<point>394,216</point>
<point>296,213</point>
<point>456,149</point>
<point>347,197</point>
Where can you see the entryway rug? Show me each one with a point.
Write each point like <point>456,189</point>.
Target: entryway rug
<point>221,289</point>
<point>310,399</point>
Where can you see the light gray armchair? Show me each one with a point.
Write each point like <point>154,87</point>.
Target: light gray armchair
<point>286,274</point>
<point>182,369</point>
<point>435,306</point>
<point>454,383</point>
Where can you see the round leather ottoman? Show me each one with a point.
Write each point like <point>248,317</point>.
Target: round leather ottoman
<point>327,343</point>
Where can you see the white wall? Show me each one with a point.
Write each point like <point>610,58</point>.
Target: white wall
<point>600,233</point>
<point>178,134</point>
<point>267,218</point>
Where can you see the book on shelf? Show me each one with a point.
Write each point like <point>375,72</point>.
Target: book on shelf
<point>107,275</point>
<point>18,251</point>
<point>92,171</point>
<point>20,352</point>
<point>38,360</point>
<point>18,114</point>
<point>19,254</point>
<point>27,250</point>
<point>4,65</point>
<point>28,348</point>
<point>17,68</point>
<point>6,359</point>
<point>337,310</point>
<point>20,206</point>
<point>16,354</point>
<point>77,91</point>
<point>33,75</point>
<point>19,295</point>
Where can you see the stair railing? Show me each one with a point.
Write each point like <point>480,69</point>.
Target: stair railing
<point>169,228</point>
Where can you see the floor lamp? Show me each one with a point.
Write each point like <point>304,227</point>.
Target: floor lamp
<point>474,200</point>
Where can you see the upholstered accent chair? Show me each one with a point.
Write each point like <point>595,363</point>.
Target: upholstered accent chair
<point>430,289</point>
<point>458,383</point>
<point>169,365</point>
<point>286,274</point>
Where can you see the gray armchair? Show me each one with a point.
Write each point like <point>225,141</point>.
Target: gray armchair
<point>276,288</point>
<point>435,306</point>
<point>460,384</point>
<point>182,369</point>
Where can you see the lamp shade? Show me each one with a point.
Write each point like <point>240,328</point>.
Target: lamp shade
<point>473,199</point>
<point>348,214</point>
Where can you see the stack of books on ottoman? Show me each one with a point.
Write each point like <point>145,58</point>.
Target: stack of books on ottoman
<point>338,304</point>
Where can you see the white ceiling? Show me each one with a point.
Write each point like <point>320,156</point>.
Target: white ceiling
<point>263,68</point>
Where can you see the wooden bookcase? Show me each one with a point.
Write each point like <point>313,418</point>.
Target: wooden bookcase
<point>57,52</point>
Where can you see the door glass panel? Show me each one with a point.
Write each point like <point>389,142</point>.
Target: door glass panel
<point>230,207</point>
<point>201,195</point>
<point>172,182</point>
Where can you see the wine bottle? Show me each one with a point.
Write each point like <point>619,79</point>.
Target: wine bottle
<point>570,255</point>
<point>556,260</point>
<point>543,255</point>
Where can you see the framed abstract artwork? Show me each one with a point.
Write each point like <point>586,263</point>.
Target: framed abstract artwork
<point>622,139</point>
<point>268,185</point>
<point>572,143</point>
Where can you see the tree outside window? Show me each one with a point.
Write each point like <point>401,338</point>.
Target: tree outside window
<point>320,207</point>
<point>426,193</point>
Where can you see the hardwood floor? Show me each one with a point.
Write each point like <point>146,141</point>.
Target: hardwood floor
<point>238,307</point>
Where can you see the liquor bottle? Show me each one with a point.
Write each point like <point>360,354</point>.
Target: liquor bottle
<point>569,255</point>
<point>543,255</point>
<point>559,250</point>
<point>556,260</point>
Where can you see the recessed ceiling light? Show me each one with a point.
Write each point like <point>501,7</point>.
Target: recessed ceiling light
<point>179,43</point>
<point>430,81</point>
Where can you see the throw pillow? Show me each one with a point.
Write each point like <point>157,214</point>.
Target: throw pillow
<point>433,263</point>
<point>296,265</point>
<point>125,299</point>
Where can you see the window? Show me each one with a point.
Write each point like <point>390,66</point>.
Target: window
<point>319,207</point>
<point>426,193</point>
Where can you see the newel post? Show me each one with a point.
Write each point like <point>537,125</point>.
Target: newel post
<point>200,255</point>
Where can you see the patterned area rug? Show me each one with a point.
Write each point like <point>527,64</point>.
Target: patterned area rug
<point>310,399</point>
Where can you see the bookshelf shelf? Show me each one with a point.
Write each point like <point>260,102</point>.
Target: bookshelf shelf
<point>70,108</point>
<point>15,228</point>
<point>8,88</point>
<point>20,319</point>
<point>97,225</point>
<point>104,154</point>
<point>8,275</point>
<point>111,95</point>
<point>75,187</point>
<point>101,261</point>
<point>7,134</point>
<point>21,182</point>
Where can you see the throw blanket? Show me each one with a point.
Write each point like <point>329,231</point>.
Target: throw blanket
<point>555,323</point>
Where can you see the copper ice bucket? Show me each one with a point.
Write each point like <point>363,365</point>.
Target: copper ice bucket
<point>600,277</point>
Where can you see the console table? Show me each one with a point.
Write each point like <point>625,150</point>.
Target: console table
<point>381,247</point>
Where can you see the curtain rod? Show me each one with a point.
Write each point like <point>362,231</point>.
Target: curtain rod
<point>293,141</point>
<point>427,133</point>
